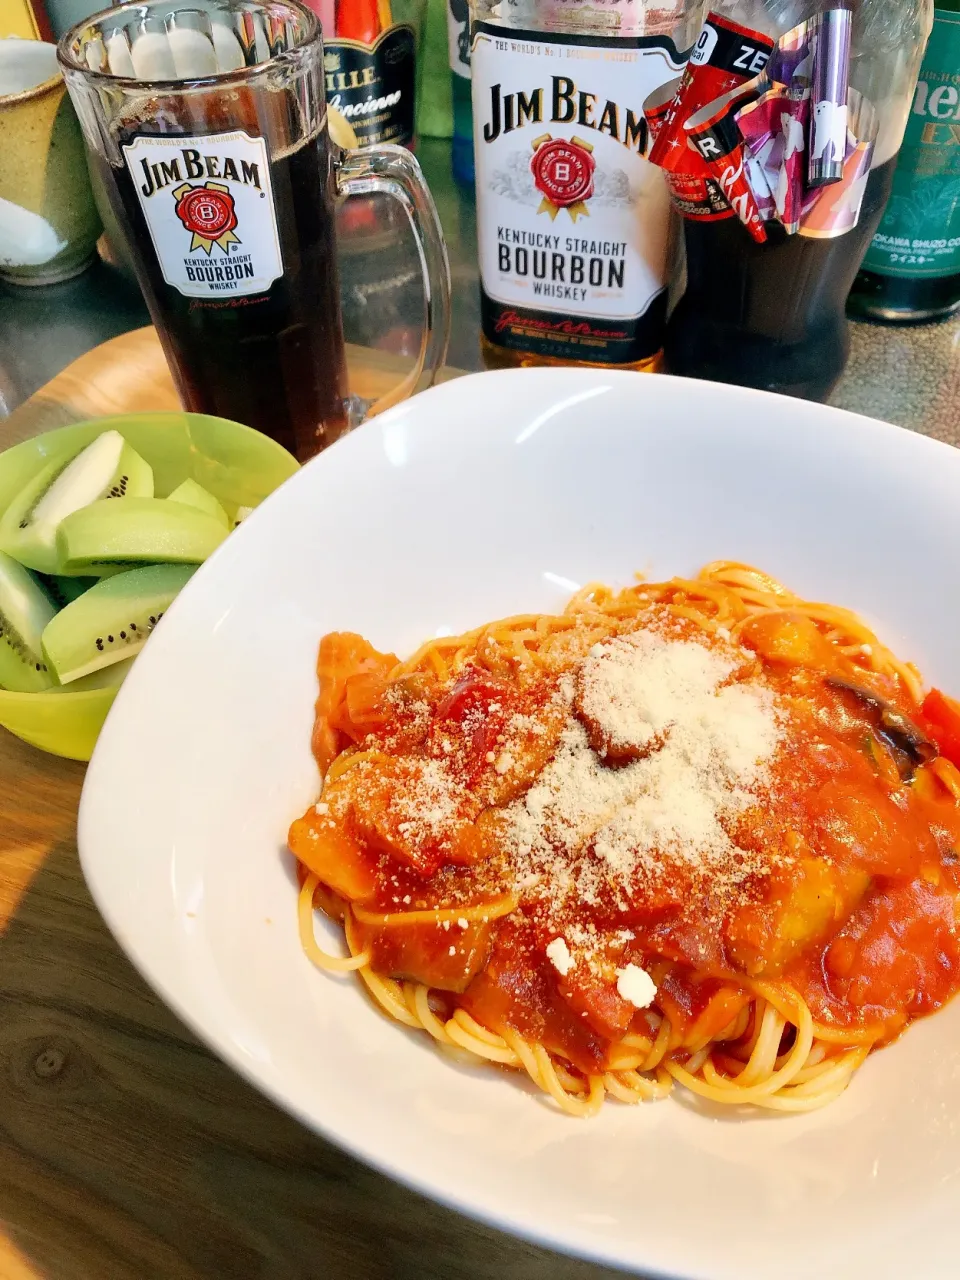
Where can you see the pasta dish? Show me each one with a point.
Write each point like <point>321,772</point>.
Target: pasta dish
<point>698,832</point>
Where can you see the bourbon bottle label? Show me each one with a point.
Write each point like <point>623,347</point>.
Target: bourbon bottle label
<point>573,222</point>
<point>208,205</point>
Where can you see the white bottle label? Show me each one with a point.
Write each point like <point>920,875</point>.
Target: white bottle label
<point>573,222</point>
<point>458,37</point>
<point>208,205</point>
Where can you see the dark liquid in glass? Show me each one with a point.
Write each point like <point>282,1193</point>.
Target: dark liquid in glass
<point>770,315</point>
<point>273,360</point>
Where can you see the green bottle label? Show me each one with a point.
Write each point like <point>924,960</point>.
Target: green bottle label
<point>919,235</point>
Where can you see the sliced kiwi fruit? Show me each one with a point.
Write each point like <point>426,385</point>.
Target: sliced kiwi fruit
<point>136,531</point>
<point>107,468</point>
<point>25,610</point>
<point>112,621</point>
<point>63,590</point>
<point>192,494</point>
<point>111,677</point>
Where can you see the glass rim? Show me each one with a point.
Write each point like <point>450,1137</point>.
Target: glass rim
<point>69,61</point>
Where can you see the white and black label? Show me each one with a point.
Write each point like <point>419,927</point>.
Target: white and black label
<point>374,86</point>
<point>458,37</point>
<point>208,205</point>
<point>573,222</point>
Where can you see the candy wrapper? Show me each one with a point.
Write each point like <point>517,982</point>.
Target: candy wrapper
<point>776,144</point>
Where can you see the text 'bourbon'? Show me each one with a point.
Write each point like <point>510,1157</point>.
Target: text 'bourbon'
<point>573,223</point>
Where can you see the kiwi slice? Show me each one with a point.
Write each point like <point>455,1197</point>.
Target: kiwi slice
<point>64,590</point>
<point>25,609</point>
<point>136,531</point>
<point>192,494</point>
<point>111,677</point>
<point>106,468</point>
<point>112,621</point>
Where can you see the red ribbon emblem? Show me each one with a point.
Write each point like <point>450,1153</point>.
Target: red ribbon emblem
<point>209,214</point>
<point>563,174</point>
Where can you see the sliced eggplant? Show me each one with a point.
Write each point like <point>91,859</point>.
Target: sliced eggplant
<point>907,743</point>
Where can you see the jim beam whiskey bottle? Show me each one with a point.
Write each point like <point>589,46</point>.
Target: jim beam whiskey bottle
<point>574,225</point>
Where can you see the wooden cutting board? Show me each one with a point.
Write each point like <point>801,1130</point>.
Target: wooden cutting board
<point>127,1151</point>
<point>129,374</point>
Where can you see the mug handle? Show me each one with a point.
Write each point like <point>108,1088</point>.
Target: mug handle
<point>395,172</point>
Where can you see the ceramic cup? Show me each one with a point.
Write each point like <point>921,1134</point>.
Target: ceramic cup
<point>48,221</point>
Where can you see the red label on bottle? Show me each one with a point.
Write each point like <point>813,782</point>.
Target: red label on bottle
<point>698,196</point>
<point>714,133</point>
<point>725,56</point>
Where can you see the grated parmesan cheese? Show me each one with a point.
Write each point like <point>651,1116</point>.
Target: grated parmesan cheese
<point>635,687</point>
<point>590,828</point>
<point>558,953</point>
<point>636,986</point>
<point>662,824</point>
<point>429,803</point>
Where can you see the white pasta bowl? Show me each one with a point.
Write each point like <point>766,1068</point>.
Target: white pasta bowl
<point>492,495</point>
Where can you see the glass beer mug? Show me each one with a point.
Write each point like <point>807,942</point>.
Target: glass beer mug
<point>207,127</point>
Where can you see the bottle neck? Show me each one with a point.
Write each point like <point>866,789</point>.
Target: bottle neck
<point>675,18</point>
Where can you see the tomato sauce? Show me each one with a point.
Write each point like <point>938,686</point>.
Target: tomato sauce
<point>857,913</point>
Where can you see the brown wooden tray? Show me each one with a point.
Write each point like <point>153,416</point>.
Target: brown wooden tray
<point>129,374</point>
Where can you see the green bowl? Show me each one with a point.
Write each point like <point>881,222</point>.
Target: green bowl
<point>238,465</point>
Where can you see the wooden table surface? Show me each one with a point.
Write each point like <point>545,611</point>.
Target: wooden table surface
<point>127,1151</point>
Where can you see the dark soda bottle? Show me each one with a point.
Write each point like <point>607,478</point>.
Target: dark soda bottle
<point>772,315</point>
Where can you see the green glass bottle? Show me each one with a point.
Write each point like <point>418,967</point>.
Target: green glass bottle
<point>911,271</point>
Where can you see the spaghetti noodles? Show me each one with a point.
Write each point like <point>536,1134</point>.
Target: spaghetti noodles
<point>699,831</point>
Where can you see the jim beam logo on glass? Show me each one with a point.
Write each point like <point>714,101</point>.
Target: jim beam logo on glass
<point>208,205</point>
<point>573,222</point>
